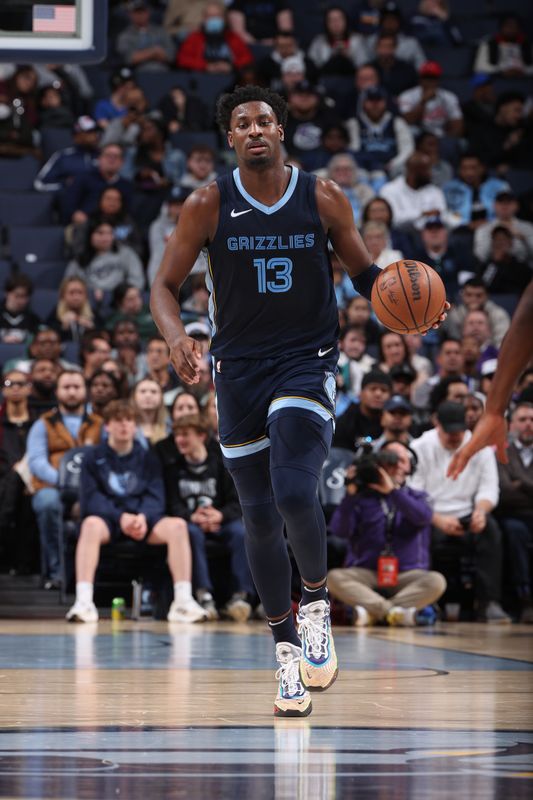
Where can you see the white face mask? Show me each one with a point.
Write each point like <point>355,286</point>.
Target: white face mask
<point>214,25</point>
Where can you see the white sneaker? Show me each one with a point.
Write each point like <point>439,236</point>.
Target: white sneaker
<point>318,667</point>
<point>361,617</point>
<point>82,612</point>
<point>293,699</point>
<point>238,609</point>
<point>402,617</point>
<point>187,611</point>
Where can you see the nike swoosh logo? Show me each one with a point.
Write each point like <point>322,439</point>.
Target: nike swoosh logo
<point>238,213</point>
<point>324,352</point>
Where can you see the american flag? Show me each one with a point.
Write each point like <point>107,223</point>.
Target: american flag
<point>54,19</point>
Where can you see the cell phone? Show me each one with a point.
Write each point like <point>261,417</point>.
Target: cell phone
<point>465,521</point>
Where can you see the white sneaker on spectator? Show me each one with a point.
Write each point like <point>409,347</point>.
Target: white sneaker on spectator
<point>361,617</point>
<point>402,617</point>
<point>238,609</point>
<point>208,604</point>
<point>82,612</point>
<point>186,611</point>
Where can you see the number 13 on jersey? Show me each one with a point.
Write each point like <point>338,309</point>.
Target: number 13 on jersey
<point>273,274</point>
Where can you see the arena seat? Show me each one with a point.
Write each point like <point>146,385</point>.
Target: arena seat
<point>36,243</point>
<point>456,62</point>
<point>26,208</point>
<point>185,140</point>
<point>9,351</point>
<point>18,174</point>
<point>475,29</point>
<point>54,139</point>
<point>507,301</point>
<point>43,301</point>
<point>6,270</point>
<point>46,275</point>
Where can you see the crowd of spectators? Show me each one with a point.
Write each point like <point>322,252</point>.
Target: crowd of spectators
<point>437,166</point>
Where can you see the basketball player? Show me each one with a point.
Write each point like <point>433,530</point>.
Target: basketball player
<point>514,356</point>
<point>275,325</point>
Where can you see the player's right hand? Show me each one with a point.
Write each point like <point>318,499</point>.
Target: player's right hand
<point>185,356</point>
<point>490,430</point>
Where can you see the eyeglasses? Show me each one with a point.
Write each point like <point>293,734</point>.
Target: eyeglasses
<point>20,384</point>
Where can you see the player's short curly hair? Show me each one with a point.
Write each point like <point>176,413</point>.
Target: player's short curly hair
<point>248,94</point>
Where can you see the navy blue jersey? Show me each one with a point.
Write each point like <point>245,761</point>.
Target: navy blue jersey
<point>269,274</point>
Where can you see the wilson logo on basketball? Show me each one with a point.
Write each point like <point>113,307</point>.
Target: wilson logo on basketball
<point>412,270</point>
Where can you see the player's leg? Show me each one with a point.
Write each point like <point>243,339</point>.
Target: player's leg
<point>172,532</point>
<point>93,534</point>
<point>271,570</point>
<point>299,444</point>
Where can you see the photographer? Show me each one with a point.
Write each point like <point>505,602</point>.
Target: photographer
<point>386,574</point>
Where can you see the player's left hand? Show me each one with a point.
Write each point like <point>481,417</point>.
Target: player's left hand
<point>185,356</point>
<point>442,317</point>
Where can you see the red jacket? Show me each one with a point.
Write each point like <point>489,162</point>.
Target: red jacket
<point>191,53</point>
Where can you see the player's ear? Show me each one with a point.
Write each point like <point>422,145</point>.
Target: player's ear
<point>230,138</point>
<point>281,133</point>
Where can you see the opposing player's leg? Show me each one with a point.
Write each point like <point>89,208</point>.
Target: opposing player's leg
<point>172,531</point>
<point>299,443</point>
<point>94,533</point>
<point>271,570</point>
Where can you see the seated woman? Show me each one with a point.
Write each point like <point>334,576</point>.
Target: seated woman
<point>379,210</point>
<point>152,163</point>
<point>376,238</point>
<point>338,51</point>
<point>111,209</point>
<point>105,263</point>
<point>150,412</point>
<point>128,303</point>
<point>73,314</point>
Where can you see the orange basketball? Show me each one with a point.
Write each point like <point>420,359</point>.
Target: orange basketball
<point>408,297</point>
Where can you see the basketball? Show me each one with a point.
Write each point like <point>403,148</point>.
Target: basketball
<point>408,297</point>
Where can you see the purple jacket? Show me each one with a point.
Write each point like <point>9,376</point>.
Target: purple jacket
<point>361,520</point>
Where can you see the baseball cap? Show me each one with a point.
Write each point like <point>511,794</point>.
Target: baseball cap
<point>505,194</point>
<point>137,5</point>
<point>398,403</point>
<point>433,222</point>
<point>374,93</point>
<point>480,79</point>
<point>198,329</point>
<point>85,124</point>
<point>406,371</point>
<point>122,75</point>
<point>391,8</point>
<point>431,69</point>
<point>376,376</point>
<point>489,367</point>
<point>178,194</point>
<point>452,417</point>
<point>305,87</point>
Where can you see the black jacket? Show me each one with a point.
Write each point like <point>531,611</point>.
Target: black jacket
<point>189,486</point>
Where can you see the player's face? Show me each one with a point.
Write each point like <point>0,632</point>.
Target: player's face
<point>255,134</point>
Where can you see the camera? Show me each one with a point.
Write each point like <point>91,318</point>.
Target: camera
<point>367,464</point>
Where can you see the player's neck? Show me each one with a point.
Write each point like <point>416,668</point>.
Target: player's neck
<point>268,185</point>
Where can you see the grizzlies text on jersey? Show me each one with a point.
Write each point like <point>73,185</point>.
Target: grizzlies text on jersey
<point>269,274</point>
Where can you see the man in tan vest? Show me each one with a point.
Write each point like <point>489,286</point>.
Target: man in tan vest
<point>49,439</point>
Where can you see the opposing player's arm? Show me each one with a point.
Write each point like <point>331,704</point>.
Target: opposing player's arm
<point>515,353</point>
<point>196,227</point>
<point>337,217</point>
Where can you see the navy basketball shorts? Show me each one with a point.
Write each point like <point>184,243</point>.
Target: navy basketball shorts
<point>250,392</point>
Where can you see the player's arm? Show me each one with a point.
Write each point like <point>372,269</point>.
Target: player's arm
<point>337,218</point>
<point>196,227</point>
<point>515,353</point>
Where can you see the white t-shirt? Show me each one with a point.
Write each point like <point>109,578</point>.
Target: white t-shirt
<point>437,112</point>
<point>408,205</point>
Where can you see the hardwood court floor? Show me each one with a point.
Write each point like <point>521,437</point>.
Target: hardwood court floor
<point>129,709</point>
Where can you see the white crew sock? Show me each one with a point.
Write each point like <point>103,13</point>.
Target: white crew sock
<point>84,592</point>
<point>182,591</point>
